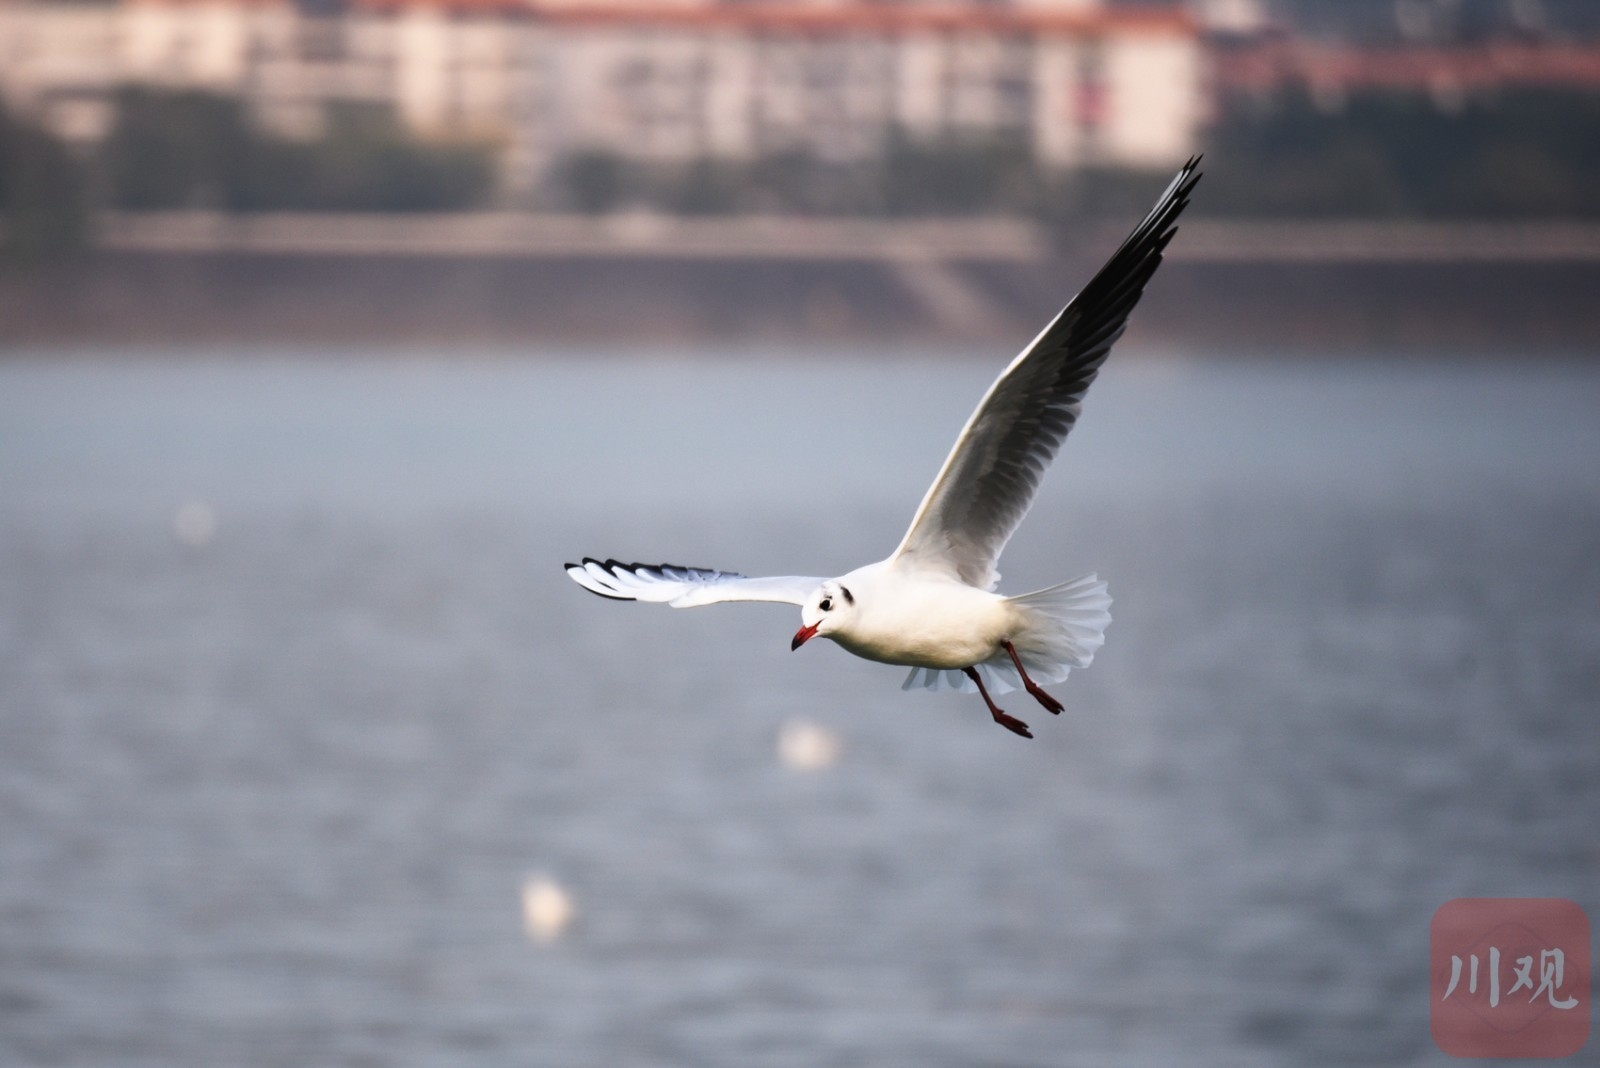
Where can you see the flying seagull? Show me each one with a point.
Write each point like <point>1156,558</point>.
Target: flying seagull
<point>930,606</point>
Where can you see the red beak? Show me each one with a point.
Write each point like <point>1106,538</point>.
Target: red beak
<point>801,636</point>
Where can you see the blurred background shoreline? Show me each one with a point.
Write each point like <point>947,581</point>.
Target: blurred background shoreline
<point>1413,173</point>
<point>1438,290</point>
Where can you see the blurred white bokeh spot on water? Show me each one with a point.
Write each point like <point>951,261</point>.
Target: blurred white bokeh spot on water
<point>807,746</point>
<point>195,524</point>
<point>547,908</point>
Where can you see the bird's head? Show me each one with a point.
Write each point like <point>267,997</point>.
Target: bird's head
<point>828,609</point>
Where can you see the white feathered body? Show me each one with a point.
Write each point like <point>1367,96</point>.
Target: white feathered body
<point>938,625</point>
<point>922,621</point>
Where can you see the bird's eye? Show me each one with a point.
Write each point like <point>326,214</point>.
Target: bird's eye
<point>827,604</point>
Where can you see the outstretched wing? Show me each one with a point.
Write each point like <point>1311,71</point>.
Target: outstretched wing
<point>685,587</point>
<point>990,477</point>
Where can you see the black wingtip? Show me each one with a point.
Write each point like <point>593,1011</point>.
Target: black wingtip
<point>1189,176</point>
<point>615,568</point>
<point>573,571</point>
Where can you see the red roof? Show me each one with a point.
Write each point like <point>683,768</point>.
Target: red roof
<point>1466,67</point>
<point>786,15</point>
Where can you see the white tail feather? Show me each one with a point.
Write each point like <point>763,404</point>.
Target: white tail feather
<point>1066,627</point>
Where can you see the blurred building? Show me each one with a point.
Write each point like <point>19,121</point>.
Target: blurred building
<point>669,81</point>
<point>1449,49</point>
<point>1330,71</point>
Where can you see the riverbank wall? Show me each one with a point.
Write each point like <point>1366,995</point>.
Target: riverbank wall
<point>518,281</point>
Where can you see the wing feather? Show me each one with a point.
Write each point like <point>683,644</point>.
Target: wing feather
<point>685,587</point>
<point>991,476</point>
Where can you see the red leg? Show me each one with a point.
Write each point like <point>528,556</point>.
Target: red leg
<point>1010,723</point>
<point>1033,688</point>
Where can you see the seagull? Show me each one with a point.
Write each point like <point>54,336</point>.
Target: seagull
<point>931,605</point>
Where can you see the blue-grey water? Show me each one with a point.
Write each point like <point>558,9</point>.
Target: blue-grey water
<point>294,700</point>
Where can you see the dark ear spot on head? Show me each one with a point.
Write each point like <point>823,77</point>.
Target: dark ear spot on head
<point>846,591</point>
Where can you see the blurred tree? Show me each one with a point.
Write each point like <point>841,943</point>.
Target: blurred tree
<point>43,202</point>
<point>196,150</point>
<point>707,187</point>
<point>595,180</point>
<point>365,162</point>
<point>176,150</point>
<point>1518,153</point>
<point>944,178</point>
<point>960,176</point>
